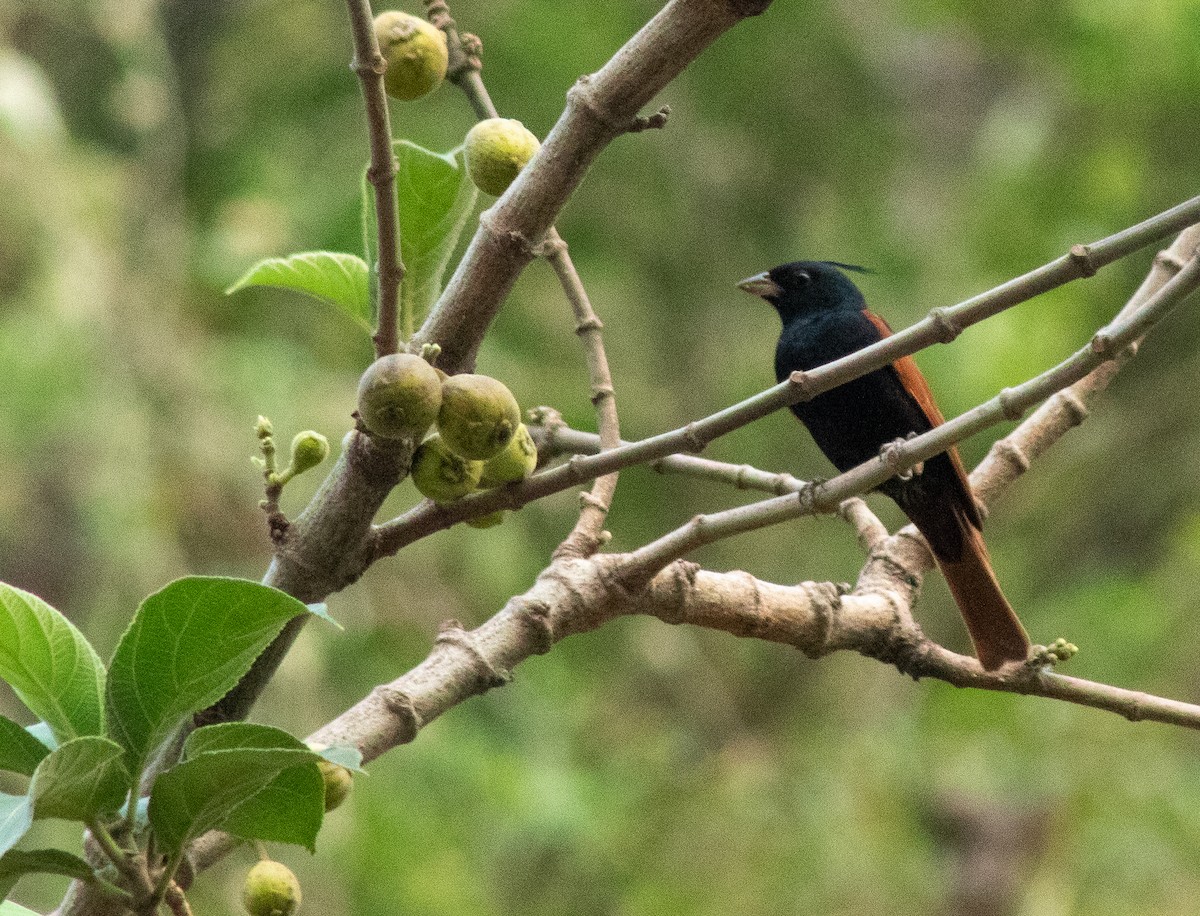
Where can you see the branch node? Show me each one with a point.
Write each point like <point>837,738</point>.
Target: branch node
<point>401,705</point>
<point>802,383</point>
<point>691,436</point>
<point>600,392</point>
<point>1010,404</point>
<point>1072,404</point>
<point>948,329</point>
<point>1103,345</point>
<point>535,616</point>
<point>1081,255</point>
<point>592,323</point>
<point>580,95</point>
<point>452,633</point>
<point>587,498</point>
<point>508,237</point>
<point>1014,454</point>
<point>656,121</point>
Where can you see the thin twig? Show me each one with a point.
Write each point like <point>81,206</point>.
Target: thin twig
<point>465,64</point>
<point>941,325</point>
<point>559,438</point>
<point>370,66</point>
<point>586,538</point>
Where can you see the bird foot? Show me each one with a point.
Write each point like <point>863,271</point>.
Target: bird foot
<point>892,454</point>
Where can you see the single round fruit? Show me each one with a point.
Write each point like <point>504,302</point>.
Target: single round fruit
<point>338,782</point>
<point>308,450</point>
<point>271,890</point>
<point>441,475</point>
<point>491,520</point>
<point>515,462</point>
<point>479,416</point>
<point>496,150</point>
<point>415,53</point>
<point>399,396</point>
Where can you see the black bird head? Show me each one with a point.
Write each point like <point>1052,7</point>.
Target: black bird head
<point>806,287</point>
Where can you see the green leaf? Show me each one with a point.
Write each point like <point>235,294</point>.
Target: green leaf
<point>229,736</point>
<point>20,752</point>
<point>333,277</point>
<point>436,198</point>
<point>18,862</point>
<point>16,817</point>
<point>202,793</point>
<point>8,908</point>
<point>50,666</point>
<point>186,647</point>
<point>288,810</point>
<point>80,781</point>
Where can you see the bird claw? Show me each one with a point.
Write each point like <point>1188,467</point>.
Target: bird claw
<point>892,456</point>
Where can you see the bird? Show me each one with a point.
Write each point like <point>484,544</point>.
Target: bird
<point>825,317</point>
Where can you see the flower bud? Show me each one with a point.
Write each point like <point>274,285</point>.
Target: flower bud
<point>308,450</point>
<point>515,462</point>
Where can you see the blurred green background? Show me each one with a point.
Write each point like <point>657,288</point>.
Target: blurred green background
<point>150,151</point>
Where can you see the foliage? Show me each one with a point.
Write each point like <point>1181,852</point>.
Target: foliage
<point>647,769</point>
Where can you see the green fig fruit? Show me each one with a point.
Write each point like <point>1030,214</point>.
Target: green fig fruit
<point>399,396</point>
<point>271,889</point>
<point>415,52</point>
<point>479,416</point>
<point>496,150</point>
<point>338,783</point>
<point>515,462</point>
<point>440,474</point>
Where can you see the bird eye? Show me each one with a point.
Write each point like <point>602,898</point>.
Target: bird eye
<point>802,276</point>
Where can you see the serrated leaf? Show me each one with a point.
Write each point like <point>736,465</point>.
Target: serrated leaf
<point>84,778</point>
<point>16,817</point>
<point>18,862</point>
<point>201,793</point>
<point>290,809</point>
<point>229,736</point>
<point>436,198</point>
<point>20,752</point>
<point>50,665</point>
<point>330,276</point>
<point>186,647</point>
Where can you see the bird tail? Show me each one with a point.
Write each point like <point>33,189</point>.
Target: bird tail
<point>994,627</point>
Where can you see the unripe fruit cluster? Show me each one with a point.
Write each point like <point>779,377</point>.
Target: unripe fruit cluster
<point>480,441</point>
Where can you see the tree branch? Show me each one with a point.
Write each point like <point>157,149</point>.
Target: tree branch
<point>599,109</point>
<point>941,325</point>
<point>370,66</point>
<point>586,538</point>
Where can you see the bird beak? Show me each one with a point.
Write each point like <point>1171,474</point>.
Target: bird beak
<point>761,285</point>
